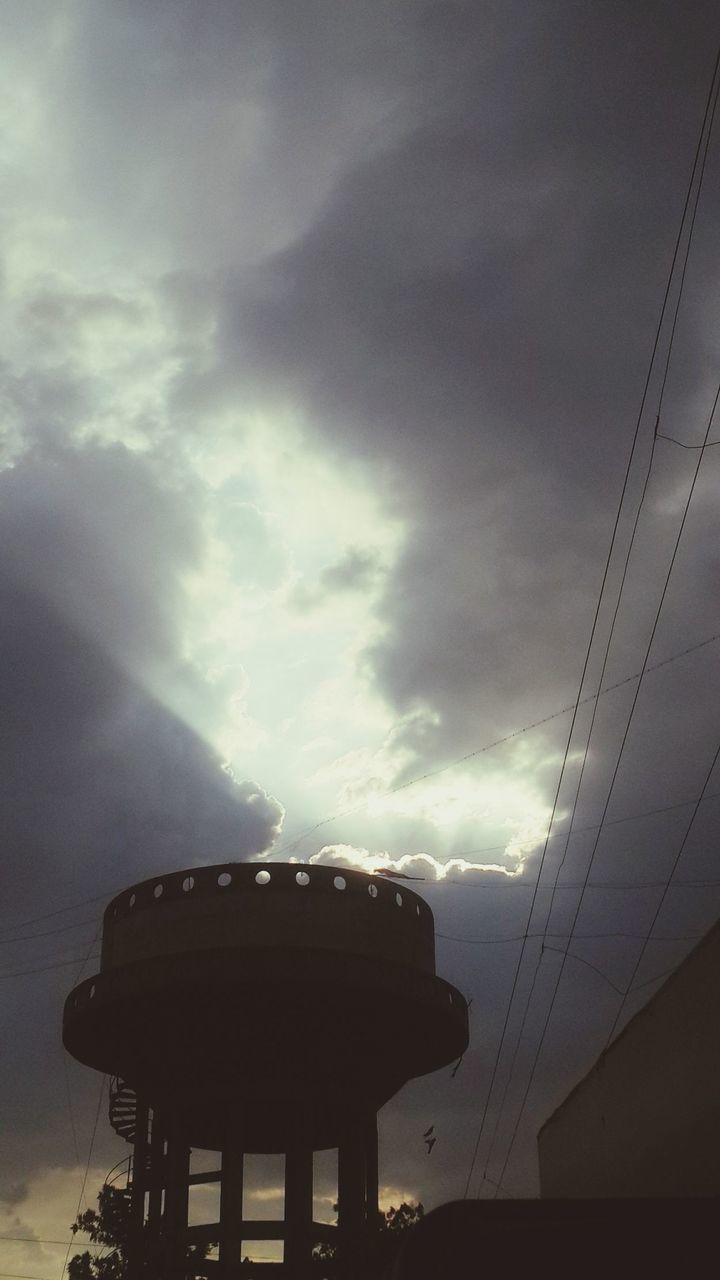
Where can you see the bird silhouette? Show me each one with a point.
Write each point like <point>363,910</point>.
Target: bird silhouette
<point>430,1143</point>
<point>428,1131</point>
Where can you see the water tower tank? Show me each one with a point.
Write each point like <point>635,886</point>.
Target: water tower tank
<point>269,1008</point>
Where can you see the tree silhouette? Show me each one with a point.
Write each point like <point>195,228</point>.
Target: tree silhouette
<point>400,1219</point>
<point>109,1225</point>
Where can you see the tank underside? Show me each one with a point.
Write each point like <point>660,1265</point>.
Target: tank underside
<point>235,1043</point>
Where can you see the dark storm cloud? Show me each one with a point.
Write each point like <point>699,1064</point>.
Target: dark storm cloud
<point>101,784</point>
<point>91,552</point>
<point>471,314</point>
<point>93,533</point>
<point>224,124</point>
<point>448,226</point>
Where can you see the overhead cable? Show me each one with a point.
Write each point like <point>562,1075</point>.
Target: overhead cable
<point>692,192</point>
<point>613,780</point>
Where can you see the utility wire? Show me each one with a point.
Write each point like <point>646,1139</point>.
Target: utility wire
<point>576,937</point>
<point>59,964</point>
<point>71,1114</point>
<point>102,897</point>
<point>15,1275</point>
<point>622,991</point>
<point>697,167</point>
<point>591,826</point>
<point>649,938</point>
<point>291,845</point>
<point>622,886</point>
<point>692,199</point>
<point>90,1244</point>
<point>66,1074</point>
<point>47,933</point>
<point>468,883</point>
<point>87,1171</point>
<point>710,444</point>
<point>703,146</point>
<point>613,779</point>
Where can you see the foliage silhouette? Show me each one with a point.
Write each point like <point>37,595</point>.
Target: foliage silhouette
<point>400,1219</point>
<point>109,1225</point>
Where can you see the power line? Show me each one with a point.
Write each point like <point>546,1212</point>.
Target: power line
<point>102,897</point>
<point>90,1244</point>
<point>622,885</point>
<point>578,937</point>
<point>698,166</point>
<point>622,991</point>
<point>614,776</point>
<point>708,119</point>
<point>14,1275</point>
<point>710,445</point>
<point>291,845</point>
<point>663,896</point>
<point>467,882</point>
<point>86,902</point>
<point>87,1171</point>
<point>489,746</point>
<point>591,826</point>
<point>66,1074</point>
<point>47,933</point>
<point>68,1098</point>
<point>59,964</point>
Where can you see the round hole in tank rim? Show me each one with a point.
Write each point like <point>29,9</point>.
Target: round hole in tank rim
<point>340,882</point>
<point>302,878</point>
<point>224,879</point>
<point>132,900</point>
<point>450,996</point>
<point>157,891</point>
<point>188,884</point>
<point>398,899</point>
<point>372,890</point>
<point>417,908</point>
<point>93,989</point>
<point>262,877</point>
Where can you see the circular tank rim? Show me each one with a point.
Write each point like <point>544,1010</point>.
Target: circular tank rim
<point>254,903</point>
<point>245,876</point>
<point>132,1022</point>
<point>233,969</point>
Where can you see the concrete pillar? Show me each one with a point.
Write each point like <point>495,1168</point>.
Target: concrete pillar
<point>138,1188</point>
<point>371,1172</point>
<point>231,1209</point>
<point>152,1247</point>
<point>351,1190</point>
<point>175,1213</point>
<point>299,1200</point>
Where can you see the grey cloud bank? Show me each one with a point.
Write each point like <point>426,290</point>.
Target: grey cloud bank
<point>436,236</point>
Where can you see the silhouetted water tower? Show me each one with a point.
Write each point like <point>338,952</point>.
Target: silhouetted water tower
<point>260,1008</point>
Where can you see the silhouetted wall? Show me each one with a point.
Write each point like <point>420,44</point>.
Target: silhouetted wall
<point>645,1121</point>
<point>592,1239</point>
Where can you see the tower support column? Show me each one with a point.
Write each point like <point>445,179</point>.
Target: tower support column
<point>371,1173</point>
<point>138,1188</point>
<point>358,1188</point>
<point>299,1199</point>
<point>175,1211</point>
<point>231,1210</point>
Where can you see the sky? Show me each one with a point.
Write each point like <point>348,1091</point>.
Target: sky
<point>325,329</point>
